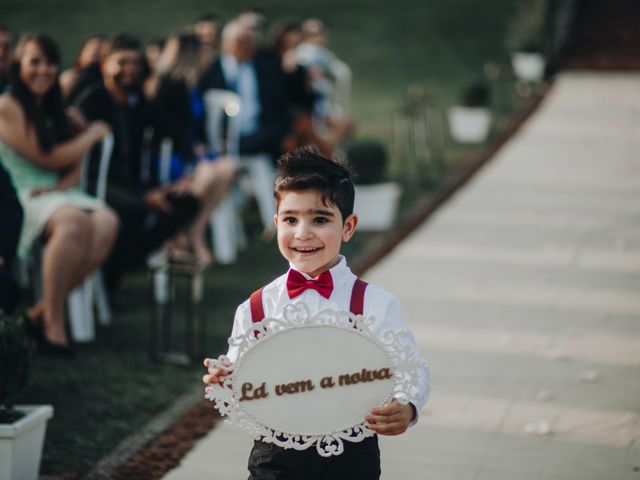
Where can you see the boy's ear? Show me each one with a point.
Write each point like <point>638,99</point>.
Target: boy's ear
<point>275,219</point>
<point>349,227</point>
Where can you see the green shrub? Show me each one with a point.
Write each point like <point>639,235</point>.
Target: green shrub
<point>16,353</point>
<point>476,95</point>
<point>525,32</point>
<point>368,160</point>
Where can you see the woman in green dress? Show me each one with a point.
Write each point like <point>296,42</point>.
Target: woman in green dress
<point>44,159</point>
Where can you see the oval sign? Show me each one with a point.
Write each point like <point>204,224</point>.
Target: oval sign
<point>312,380</point>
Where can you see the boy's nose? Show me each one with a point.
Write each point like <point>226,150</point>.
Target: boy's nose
<point>303,231</point>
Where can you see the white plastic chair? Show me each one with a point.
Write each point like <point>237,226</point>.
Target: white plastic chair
<point>221,104</point>
<point>227,233</point>
<point>164,164</point>
<point>81,299</point>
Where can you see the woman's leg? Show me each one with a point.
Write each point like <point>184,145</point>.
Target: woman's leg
<point>65,253</point>
<point>211,182</point>
<point>103,231</point>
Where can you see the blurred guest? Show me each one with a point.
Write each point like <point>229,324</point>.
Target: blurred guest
<point>314,54</point>
<point>283,48</point>
<point>179,104</point>
<point>326,72</point>
<point>149,214</point>
<point>152,53</point>
<point>85,70</point>
<point>254,19</point>
<point>44,162</point>
<point>264,111</point>
<point>207,28</point>
<point>10,226</point>
<point>5,57</point>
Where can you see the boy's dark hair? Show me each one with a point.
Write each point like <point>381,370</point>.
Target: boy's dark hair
<point>118,43</point>
<point>305,168</point>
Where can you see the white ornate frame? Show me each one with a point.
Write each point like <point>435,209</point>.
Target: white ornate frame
<point>403,362</point>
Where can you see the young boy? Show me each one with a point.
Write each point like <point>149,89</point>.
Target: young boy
<point>314,199</point>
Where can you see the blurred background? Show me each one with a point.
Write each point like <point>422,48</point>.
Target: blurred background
<point>411,61</point>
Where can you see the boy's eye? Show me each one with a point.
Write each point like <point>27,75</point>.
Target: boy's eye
<point>320,220</point>
<point>289,220</point>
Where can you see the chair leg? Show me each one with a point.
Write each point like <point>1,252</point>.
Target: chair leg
<point>263,177</point>
<point>101,299</point>
<point>80,312</point>
<point>223,232</point>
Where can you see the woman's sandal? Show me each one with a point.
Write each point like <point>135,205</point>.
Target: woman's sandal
<point>45,347</point>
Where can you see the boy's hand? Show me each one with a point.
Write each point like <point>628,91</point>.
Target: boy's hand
<point>392,419</point>
<point>215,374</point>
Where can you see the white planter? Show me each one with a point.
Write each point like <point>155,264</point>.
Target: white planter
<point>469,124</point>
<point>528,67</point>
<point>21,443</point>
<point>376,205</point>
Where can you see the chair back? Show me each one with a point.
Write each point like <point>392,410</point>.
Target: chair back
<point>222,108</point>
<point>164,167</point>
<point>106,149</point>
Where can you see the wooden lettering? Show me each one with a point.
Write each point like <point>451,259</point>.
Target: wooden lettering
<point>294,387</point>
<point>327,382</point>
<point>246,388</point>
<point>261,391</point>
<point>248,393</point>
<point>362,377</point>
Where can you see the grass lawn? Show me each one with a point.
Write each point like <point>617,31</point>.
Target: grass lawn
<point>112,388</point>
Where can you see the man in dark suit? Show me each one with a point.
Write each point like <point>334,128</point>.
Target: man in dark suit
<point>265,119</point>
<point>149,214</point>
<point>10,226</point>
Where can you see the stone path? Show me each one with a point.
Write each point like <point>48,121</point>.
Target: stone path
<point>523,292</point>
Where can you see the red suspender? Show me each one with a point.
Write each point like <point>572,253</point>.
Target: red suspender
<point>255,303</point>
<point>357,297</point>
<point>356,305</point>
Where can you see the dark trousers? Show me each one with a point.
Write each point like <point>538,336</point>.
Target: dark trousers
<point>142,230</point>
<point>10,225</point>
<point>8,291</point>
<point>359,461</point>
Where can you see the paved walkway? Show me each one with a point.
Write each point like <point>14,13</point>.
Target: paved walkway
<point>524,294</point>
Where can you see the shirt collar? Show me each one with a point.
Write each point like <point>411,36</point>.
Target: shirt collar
<point>338,271</point>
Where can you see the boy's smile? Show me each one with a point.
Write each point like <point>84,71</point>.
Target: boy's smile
<point>310,233</point>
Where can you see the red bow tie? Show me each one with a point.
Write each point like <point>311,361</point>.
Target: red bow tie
<point>297,283</point>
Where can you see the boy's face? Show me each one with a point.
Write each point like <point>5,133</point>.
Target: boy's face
<point>310,233</point>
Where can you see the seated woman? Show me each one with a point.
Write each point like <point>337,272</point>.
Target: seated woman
<point>44,161</point>
<point>85,71</point>
<point>180,113</point>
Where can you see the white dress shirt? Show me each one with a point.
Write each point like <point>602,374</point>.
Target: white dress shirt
<point>379,303</point>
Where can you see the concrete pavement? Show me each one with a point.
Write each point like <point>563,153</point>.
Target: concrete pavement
<point>523,292</point>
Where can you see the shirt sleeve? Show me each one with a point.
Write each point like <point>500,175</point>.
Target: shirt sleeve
<point>392,320</point>
<point>241,324</point>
